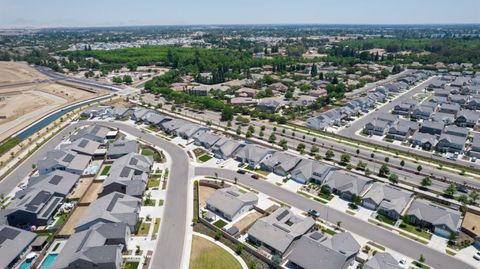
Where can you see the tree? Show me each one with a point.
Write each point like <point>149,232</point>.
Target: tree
<point>384,170</point>
<point>227,114</point>
<point>329,154</point>
<point>474,196</point>
<point>426,182</point>
<point>248,134</point>
<point>367,171</point>
<point>372,155</point>
<point>464,199</point>
<point>419,168</point>
<point>272,138</point>
<point>393,178</point>
<point>301,148</point>
<point>450,190</point>
<point>239,248</point>
<point>345,158</point>
<point>252,265</point>
<point>239,130</point>
<point>357,151</point>
<point>314,149</point>
<point>127,79</point>
<point>387,159</point>
<point>314,70</point>
<point>421,259</point>
<point>402,163</point>
<point>361,165</point>
<point>284,144</point>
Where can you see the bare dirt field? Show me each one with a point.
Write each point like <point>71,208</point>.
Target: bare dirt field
<point>82,186</point>
<point>204,194</point>
<point>69,226</point>
<point>91,193</point>
<point>16,72</point>
<point>23,104</point>
<point>247,221</point>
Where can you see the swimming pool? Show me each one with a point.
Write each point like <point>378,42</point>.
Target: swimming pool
<point>26,264</point>
<point>49,260</point>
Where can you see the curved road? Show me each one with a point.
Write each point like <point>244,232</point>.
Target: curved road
<point>170,244</point>
<point>393,241</point>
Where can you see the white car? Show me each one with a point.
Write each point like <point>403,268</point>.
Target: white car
<point>402,263</point>
<point>477,256</point>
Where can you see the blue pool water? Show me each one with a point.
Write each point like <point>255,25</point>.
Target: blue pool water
<point>94,169</point>
<point>49,260</point>
<point>26,264</point>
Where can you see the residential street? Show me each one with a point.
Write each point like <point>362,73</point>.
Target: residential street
<point>396,242</point>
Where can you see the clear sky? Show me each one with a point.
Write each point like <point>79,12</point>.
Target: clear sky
<point>41,13</point>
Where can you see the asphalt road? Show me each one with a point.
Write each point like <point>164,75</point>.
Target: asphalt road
<point>384,237</point>
<point>170,244</point>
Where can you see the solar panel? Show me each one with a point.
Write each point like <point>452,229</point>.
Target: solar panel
<point>282,215</point>
<point>55,180</point>
<point>40,198</point>
<point>113,202</point>
<point>83,143</point>
<point>68,158</point>
<point>125,172</point>
<point>31,208</point>
<point>9,233</point>
<point>51,207</point>
<point>133,161</point>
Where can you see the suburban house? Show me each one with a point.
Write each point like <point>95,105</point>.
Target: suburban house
<point>65,160</point>
<point>346,184</point>
<point>459,99</point>
<point>445,118</point>
<point>381,124</point>
<point>101,246</point>
<point>327,119</point>
<point>94,132</point>
<point>432,127</point>
<point>269,105</point>
<point>39,201</point>
<point>382,260</point>
<point>423,112</point>
<point>402,129</point>
<point>191,131</point>
<point>14,242</point>
<point>280,163</point>
<point>467,118</point>
<point>309,170</point>
<point>475,148</point>
<point>230,203</point>
<point>120,112</point>
<point>170,127</point>
<point>389,200</point>
<point>440,220</point>
<point>404,108</point>
<point>278,230</point>
<point>450,108</point>
<point>128,175</point>
<point>207,140</point>
<point>121,148</point>
<point>96,111</point>
<point>474,103</point>
<point>314,250</point>
<point>441,92</point>
<point>457,131</point>
<point>84,146</point>
<point>112,208</point>
<point>140,113</point>
<point>253,154</point>
<point>226,148</point>
<point>246,92</point>
<point>155,119</point>
<point>424,140</point>
<point>451,143</point>
<point>279,87</point>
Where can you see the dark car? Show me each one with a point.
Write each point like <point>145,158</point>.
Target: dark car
<point>240,171</point>
<point>255,176</point>
<point>313,213</point>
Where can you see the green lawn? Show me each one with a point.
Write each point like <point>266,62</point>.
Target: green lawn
<point>144,228</point>
<point>153,182</point>
<point>326,196</point>
<point>131,265</point>
<point>220,223</point>
<point>204,158</point>
<point>154,154</point>
<point>384,219</point>
<point>415,230</point>
<point>156,226</point>
<point>151,202</point>
<point>207,255</point>
<point>161,202</point>
<point>105,170</point>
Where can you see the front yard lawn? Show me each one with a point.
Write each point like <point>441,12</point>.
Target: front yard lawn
<point>384,219</point>
<point>204,158</point>
<point>207,255</point>
<point>131,265</point>
<point>220,223</point>
<point>415,230</point>
<point>149,202</point>
<point>106,170</point>
<point>199,152</point>
<point>326,196</point>
<point>153,182</point>
<point>144,228</point>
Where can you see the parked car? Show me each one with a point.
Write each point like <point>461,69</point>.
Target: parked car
<point>402,262</point>
<point>477,256</point>
<point>255,176</point>
<point>313,213</point>
<point>240,171</point>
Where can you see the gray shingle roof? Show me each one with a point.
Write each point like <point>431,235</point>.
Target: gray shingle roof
<point>346,182</point>
<point>13,242</point>
<point>282,160</point>
<point>389,197</point>
<point>279,229</point>
<point>311,169</point>
<point>83,146</point>
<point>122,147</point>
<point>314,249</point>
<point>230,200</point>
<point>253,152</point>
<point>64,158</point>
<point>435,214</point>
<point>382,260</point>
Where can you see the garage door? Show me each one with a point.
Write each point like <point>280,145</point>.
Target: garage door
<point>442,232</point>
<point>369,205</point>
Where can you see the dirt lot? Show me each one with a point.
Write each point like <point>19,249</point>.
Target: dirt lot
<point>204,193</point>
<point>69,226</point>
<point>91,193</point>
<point>247,221</point>
<point>81,188</point>
<point>24,104</point>
<point>15,72</point>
